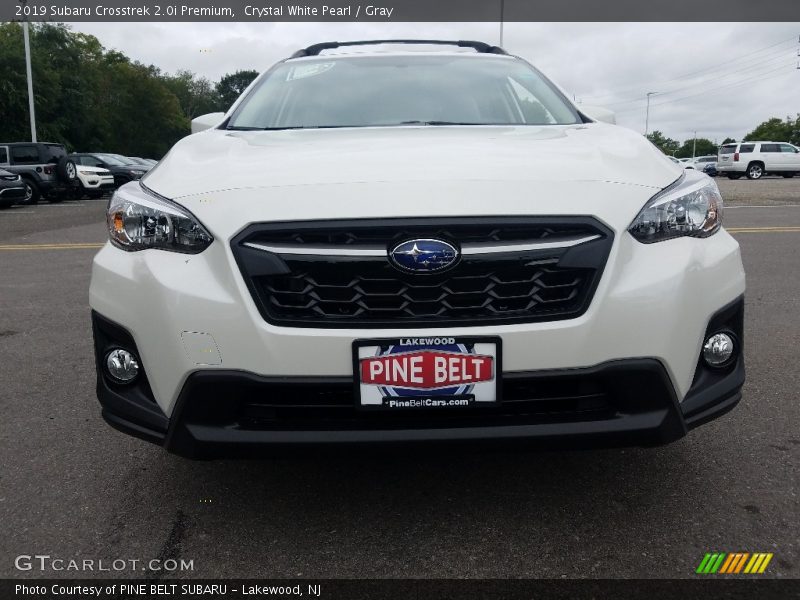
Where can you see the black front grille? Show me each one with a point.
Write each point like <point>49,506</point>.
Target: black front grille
<point>309,404</point>
<point>298,289</point>
<point>234,400</point>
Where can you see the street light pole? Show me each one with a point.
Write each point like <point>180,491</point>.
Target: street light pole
<point>31,108</point>
<point>502,10</point>
<point>647,114</point>
<point>694,145</point>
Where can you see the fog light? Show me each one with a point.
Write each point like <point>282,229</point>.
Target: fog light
<point>122,365</point>
<point>718,350</point>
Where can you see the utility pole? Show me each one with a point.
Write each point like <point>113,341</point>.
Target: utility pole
<point>647,114</point>
<point>502,11</point>
<point>694,145</point>
<point>31,108</point>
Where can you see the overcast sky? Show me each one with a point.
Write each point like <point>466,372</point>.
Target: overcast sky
<point>719,79</point>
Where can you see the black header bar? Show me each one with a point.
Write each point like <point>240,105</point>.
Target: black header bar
<point>400,10</point>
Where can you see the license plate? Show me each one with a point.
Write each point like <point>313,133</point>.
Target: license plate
<point>431,372</point>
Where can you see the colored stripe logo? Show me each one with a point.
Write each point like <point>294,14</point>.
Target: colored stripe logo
<point>734,563</point>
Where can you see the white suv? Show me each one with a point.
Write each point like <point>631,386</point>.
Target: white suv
<point>414,247</point>
<point>95,181</point>
<point>756,159</point>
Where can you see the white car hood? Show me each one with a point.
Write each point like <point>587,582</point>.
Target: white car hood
<point>217,160</point>
<point>229,179</point>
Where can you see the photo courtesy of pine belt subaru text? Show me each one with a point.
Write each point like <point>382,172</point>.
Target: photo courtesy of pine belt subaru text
<point>414,242</point>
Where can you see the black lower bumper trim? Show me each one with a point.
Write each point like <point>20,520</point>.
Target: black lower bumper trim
<point>234,413</point>
<point>619,403</point>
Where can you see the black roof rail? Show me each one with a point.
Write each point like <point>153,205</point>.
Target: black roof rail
<point>481,47</point>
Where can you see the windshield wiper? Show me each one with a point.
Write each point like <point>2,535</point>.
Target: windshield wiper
<point>439,123</point>
<point>292,127</point>
<point>289,127</point>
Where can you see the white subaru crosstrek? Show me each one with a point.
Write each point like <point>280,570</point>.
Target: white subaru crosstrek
<point>414,247</point>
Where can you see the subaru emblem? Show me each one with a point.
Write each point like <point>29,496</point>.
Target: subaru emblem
<point>423,256</point>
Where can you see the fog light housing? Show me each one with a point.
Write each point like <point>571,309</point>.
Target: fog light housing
<point>122,366</point>
<point>719,350</point>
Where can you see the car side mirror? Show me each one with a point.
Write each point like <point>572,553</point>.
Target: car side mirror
<point>208,121</point>
<point>598,113</point>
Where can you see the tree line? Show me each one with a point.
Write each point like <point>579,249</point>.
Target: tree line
<point>92,99</point>
<point>96,100</point>
<point>773,130</point>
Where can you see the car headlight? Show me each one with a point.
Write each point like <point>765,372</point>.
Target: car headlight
<point>138,219</point>
<point>137,172</point>
<point>690,207</point>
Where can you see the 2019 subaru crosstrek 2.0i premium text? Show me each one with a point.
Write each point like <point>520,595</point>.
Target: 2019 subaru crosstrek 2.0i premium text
<point>417,247</point>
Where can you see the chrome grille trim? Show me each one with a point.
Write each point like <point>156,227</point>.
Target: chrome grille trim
<point>466,249</point>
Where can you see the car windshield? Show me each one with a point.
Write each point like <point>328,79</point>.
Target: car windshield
<point>379,91</point>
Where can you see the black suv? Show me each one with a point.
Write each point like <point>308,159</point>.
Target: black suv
<point>46,170</point>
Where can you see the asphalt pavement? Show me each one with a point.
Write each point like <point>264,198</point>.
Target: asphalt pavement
<point>71,487</point>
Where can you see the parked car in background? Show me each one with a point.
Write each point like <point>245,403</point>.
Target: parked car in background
<point>711,169</point>
<point>122,171</point>
<point>127,159</point>
<point>12,189</point>
<point>95,181</point>
<point>756,159</point>
<point>145,162</point>
<point>701,162</point>
<point>45,169</point>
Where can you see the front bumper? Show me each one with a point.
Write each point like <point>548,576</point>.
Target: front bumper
<point>235,413</point>
<point>10,194</point>
<point>98,183</point>
<point>194,312</point>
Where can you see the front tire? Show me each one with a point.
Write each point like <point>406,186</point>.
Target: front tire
<point>755,171</point>
<point>32,193</point>
<point>734,176</point>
